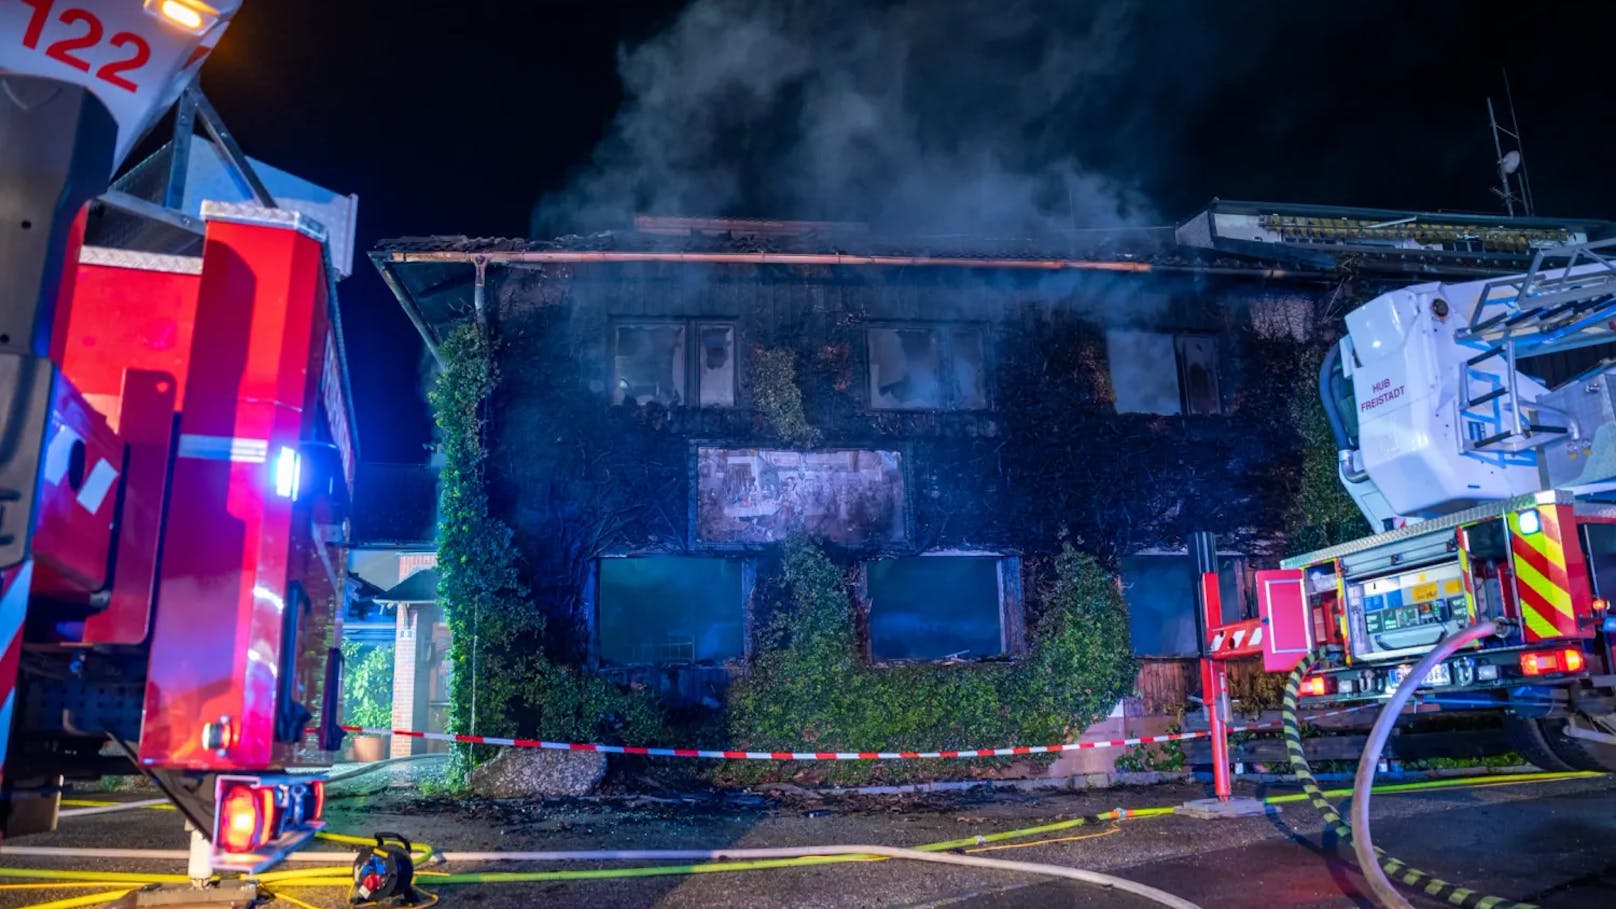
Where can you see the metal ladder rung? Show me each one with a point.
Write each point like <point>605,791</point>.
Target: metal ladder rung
<point>1520,317</point>
<point>1489,323</point>
<point>1483,443</point>
<point>1496,393</point>
<point>1487,354</point>
<point>1540,427</point>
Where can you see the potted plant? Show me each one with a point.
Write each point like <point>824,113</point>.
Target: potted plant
<point>367,697</point>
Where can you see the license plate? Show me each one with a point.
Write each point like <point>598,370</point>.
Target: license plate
<point>1439,675</point>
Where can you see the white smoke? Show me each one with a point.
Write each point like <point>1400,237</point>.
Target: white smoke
<point>917,116</point>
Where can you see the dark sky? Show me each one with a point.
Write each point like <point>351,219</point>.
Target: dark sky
<point>457,117</point>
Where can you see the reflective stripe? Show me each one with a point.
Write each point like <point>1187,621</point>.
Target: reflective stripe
<point>13,607</point>
<point>144,261</point>
<point>59,454</point>
<point>96,485</point>
<point>224,448</point>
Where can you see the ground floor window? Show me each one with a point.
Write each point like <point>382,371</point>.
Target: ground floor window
<point>939,607</point>
<point>1160,592</point>
<point>670,609</point>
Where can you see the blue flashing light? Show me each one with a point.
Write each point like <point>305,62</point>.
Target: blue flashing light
<point>1530,521</point>
<point>286,473</point>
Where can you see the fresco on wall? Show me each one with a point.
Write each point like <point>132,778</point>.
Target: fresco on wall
<point>760,495</point>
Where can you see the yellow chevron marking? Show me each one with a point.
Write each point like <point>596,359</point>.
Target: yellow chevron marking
<point>1555,595</point>
<point>1537,624</point>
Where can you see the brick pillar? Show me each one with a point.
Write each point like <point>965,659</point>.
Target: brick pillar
<point>406,657</point>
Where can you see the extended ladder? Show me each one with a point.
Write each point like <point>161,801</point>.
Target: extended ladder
<point>1543,310</point>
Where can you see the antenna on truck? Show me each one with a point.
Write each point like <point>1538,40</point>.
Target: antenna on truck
<point>1513,186</point>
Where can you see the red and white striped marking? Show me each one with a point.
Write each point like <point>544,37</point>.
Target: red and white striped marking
<point>1010,751</point>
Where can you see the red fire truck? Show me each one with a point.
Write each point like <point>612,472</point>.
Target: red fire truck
<point>1495,498</point>
<point>175,442</point>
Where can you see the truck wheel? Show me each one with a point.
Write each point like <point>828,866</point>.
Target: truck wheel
<point>1580,754</point>
<point>1531,740</point>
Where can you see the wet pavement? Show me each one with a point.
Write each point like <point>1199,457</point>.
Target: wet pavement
<point>1551,843</point>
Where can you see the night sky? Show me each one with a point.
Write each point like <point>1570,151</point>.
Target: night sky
<point>458,117</point>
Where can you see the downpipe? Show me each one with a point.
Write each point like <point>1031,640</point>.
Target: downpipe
<point>1363,783</point>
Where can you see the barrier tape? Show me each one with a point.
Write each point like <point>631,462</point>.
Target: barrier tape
<point>825,755</point>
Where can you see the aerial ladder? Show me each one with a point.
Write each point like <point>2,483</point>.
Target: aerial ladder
<point>1493,499</point>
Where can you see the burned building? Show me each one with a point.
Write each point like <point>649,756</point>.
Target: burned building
<point>677,399</point>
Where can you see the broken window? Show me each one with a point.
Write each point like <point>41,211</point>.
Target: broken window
<point>927,368</point>
<point>939,607</point>
<point>1160,592</point>
<point>1155,372</point>
<point>670,609</point>
<point>660,362</point>
<point>716,364</point>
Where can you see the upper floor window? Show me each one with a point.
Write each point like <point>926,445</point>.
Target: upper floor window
<point>675,362</point>
<point>1156,372</point>
<point>927,367</point>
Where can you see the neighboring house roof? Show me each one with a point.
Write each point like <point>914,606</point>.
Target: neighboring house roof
<point>421,587</point>
<point>434,278</point>
<point>395,506</point>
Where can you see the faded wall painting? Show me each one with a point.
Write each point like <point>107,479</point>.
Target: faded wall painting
<point>760,495</point>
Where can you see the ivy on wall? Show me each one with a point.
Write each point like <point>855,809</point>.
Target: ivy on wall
<point>502,682</point>
<point>1321,513</point>
<point>778,398</point>
<point>810,686</point>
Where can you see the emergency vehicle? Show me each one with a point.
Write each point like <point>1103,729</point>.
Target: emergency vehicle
<point>175,438</point>
<point>1494,497</point>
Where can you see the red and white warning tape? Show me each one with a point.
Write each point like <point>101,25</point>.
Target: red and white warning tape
<point>823,755</point>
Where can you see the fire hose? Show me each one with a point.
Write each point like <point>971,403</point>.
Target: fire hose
<point>1375,863</point>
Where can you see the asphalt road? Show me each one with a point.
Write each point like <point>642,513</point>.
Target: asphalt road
<point>1550,843</point>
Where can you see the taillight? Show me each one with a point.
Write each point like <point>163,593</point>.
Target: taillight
<point>317,795</point>
<point>245,818</point>
<point>1313,686</point>
<point>1548,662</point>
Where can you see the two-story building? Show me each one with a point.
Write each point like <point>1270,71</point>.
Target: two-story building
<point>676,399</point>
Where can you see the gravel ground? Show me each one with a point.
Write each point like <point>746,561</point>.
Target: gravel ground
<point>1546,841</point>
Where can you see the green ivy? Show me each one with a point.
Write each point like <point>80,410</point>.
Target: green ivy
<point>778,397</point>
<point>501,681</point>
<point>367,685</point>
<point>1321,514</point>
<point>809,686</point>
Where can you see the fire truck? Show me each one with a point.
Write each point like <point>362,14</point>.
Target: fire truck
<point>175,440</point>
<point>1494,498</point>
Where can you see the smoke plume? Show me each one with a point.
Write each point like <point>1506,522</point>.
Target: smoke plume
<point>923,116</point>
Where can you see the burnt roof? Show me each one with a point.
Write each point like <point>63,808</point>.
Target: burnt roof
<point>433,276</point>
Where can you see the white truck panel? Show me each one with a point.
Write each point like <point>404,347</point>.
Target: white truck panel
<point>127,52</point>
<point>1405,368</point>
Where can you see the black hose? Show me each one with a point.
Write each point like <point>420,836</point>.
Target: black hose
<point>1332,413</point>
<point>1413,878</point>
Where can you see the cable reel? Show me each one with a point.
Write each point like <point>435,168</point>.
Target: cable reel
<point>384,875</point>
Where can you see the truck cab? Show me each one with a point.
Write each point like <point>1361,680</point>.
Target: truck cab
<point>178,442</point>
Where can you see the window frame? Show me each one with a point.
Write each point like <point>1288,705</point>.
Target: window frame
<point>1012,607</point>
<point>945,363</point>
<point>592,610</point>
<point>690,393</point>
<point>1180,371</point>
